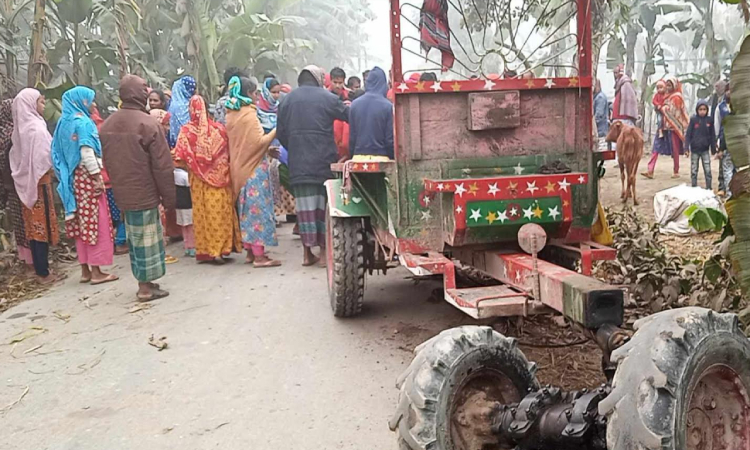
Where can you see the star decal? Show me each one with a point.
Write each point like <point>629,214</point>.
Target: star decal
<point>573,81</point>
<point>476,214</point>
<point>488,85</point>
<point>513,188</point>
<point>518,276</point>
<point>455,86</point>
<point>518,169</point>
<point>420,86</point>
<point>528,213</point>
<point>538,212</point>
<point>566,203</point>
<point>530,84</point>
<point>459,210</point>
<point>491,217</point>
<point>440,186</point>
<point>581,179</point>
<point>427,200</point>
<point>549,83</point>
<point>365,167</point>
<point>501,216</point>
<point>531,187</point>
<point>550,187</point>
<point>473,189</point>
<point>460,190</point>
<point>493,190</point>
<point>513,212</point>
<point>553,212</point>
<point>426,215</point>
<point>436,86</point>
<point>564,184</point>
<point>403,87</point>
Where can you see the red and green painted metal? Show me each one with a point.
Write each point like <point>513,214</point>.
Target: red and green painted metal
<point>475,161</point>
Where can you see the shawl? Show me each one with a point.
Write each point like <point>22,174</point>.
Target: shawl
<point>97,118</point>
<point>31,155</point>
<point>625,98</point>
<point>435,31</point>
<point>315,72</point>
<point>235,100</point>
<point>675,113</point>
<point>182,91</point>
<point>268,107</point>
<point>74,130</point>
<point>248,144</point>
<point>202,145</point>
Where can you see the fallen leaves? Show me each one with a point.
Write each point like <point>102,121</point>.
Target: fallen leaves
<point>31,332</point>
<point>9,406</point>
<point>85,367</point>
<point>160,343</point>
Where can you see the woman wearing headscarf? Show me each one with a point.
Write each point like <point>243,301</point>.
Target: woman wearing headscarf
<point>676,120</point>
<point>202,147</point>
<point>179,115</point>
<point>7,187</point>
<point>250,163</point>
<point>31,166</point>
<point>76,157</point>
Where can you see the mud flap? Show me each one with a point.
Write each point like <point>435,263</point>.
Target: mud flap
<point>341,204</point>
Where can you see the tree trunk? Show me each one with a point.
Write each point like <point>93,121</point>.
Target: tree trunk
<point>711,51</point>
<point>37,66</point>
<point>631,38</point>
<point>76,54</point>
<point>122,46</point>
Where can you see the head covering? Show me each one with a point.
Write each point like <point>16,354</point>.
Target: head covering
<point>236,100</point>
<point>312,74</point>
<point>659,98</point>
<point>268,107</point>
<point>133,92</point>
<point>30,157</point>
<point>285,88</point>
<point>377,82</point>
<point>202,145</point>
<point>182,90</point>
<point>74,130</point>
<point>675,113</point>
<point>702,102</point>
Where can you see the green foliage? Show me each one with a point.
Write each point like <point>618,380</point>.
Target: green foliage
<point>704,219</point>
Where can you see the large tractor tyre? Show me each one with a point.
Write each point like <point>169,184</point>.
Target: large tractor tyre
<point>682,383</point>
<point>345,248</point>
<point>448,392</point>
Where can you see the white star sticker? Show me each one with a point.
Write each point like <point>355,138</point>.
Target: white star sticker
<point>564,184</point>
<point>493,189</point>
<point>553,212</point>
<point>549,83</point>
<point>501,216</point>
<point>476,214</point>
<point>518,276</point>
<point>581,179</point>
<point>459,210</point>
<point>366,166</point>
<point>518,169</point>
<point>531,187</point>
<point>403,87</point>
<point>460,189</point>
<point>426,215</point>
<point>441,186</point>
<point>436,86</point>
<point>528,213</point>
<point>513,211</point>
<point>427,200</point>
<point>488,85</point>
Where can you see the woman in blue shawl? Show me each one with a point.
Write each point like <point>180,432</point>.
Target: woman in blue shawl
<point>179,107</point>
<point>76,158</point>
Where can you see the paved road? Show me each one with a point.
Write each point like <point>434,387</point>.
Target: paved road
<point>255,361</point>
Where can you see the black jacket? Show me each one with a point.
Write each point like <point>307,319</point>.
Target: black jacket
<point>700,134</point>
<point>305,129</point>
<point>371,119</point>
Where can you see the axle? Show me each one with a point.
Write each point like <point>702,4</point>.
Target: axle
<point>552,419</point>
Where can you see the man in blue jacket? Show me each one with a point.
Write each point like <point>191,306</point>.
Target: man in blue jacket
<point>371,119</point>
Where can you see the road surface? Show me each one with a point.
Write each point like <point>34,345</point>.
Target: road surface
<point>255,360</point>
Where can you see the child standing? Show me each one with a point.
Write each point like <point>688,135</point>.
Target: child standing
<point>700,138</point>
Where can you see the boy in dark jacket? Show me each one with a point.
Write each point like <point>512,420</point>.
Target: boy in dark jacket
<point>700,138</point>
<point>371,119</point>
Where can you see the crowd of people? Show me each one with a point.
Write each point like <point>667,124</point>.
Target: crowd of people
<point>165,164</point>
<point>699,136</point>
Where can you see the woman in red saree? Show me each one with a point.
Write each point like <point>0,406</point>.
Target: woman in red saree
<point>202,146</point>
<point>676,120</point>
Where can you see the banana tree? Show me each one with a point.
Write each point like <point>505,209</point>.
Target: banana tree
<point>14,16</point>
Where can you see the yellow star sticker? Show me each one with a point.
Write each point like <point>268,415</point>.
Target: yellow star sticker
<point>550,187</point>
<point>456,87</point>
<point>491,217</point>
<point>420,86</point>
<point>538,212</point>
<point>473,189</point>
<point>573,81</point>
<point>513,187</point>
<point>530,83</point>
<point>498,170</point>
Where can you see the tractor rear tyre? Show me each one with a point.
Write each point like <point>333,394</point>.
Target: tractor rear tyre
<point>345,255</point>
<point>448,392</point>
<point>682,383</point>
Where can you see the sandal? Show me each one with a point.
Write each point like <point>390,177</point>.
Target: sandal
<point>155,295</point>
<point>169,259</point>
<point>108,279</point>
<point>269,263</point>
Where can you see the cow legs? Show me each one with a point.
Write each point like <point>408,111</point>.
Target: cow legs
<point>631,186</point>
<point>624,192</point>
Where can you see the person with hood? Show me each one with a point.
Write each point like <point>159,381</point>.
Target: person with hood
<point>31,166</point>
<point>305,129</point>
<point>141,170</point>
<point>371,119</point>
<point>699,139</point>
<point>625,107</point>
<point>76,153</point>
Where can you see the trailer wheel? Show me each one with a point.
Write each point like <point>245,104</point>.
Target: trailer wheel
<point>682,382</point>
<point>345,262</point>
<point>448,392</point>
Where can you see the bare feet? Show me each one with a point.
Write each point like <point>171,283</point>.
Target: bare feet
<point>49,279</point>
<point>648,175</point>
<point>85,274</point>
<point>675,175</point>
<point>250,258</point>
<point>103,278</point>
<point>309,259</point>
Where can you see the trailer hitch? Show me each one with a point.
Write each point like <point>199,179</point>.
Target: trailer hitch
<point>552,419</point>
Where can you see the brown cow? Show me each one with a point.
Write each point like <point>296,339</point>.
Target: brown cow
<point>629,141</point>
